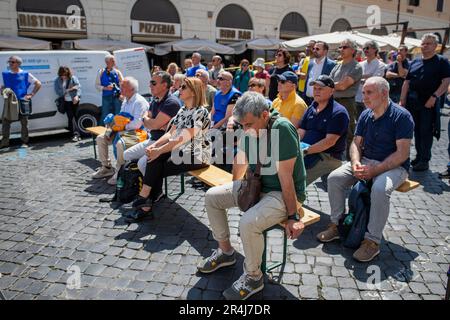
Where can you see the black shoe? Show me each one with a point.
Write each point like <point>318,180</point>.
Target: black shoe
<point>421,166</point>
<point>415,162</point>
<point>142,202</point>
<point>138,215</point>
<point>445,174</point>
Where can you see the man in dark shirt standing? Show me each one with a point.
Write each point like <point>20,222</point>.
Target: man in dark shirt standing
<point>282,65</point>
<point>397,72</point>
<point>427,80</point>
<point>379,152</point>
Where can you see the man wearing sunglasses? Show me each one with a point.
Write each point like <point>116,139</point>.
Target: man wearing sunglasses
<point>163,108</point>
<point>371,67</point>
<point>347,76</point>
<point>320,65</point>
<point>25,86</point>
<point>288,103</point>
<point>224,101</point>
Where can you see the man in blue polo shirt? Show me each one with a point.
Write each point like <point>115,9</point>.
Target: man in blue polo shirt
<point>323,130</point>
<point>379,152</point>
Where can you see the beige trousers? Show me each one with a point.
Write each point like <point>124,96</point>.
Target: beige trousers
<point>269,211</point>
<point>102,145</point>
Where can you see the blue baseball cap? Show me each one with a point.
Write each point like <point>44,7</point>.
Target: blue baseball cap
<point>288,76</point>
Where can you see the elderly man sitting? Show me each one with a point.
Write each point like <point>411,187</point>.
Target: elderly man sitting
<point>134,105</point>
<point>323,129</point>
<point>379,152</point>
<point>283,189</point>
<point>210,91</point>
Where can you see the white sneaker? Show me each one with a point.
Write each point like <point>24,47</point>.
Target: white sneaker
<point>113,180</point>
<point>103,172</point>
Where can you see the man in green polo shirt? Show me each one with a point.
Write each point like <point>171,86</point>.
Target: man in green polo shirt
<point>283,190</point>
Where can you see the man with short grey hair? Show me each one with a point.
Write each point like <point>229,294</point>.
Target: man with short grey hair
<point>210,91</point>
<point>347,76</point>
<point>108,82</point>
<point>283,191</point>
<point>380,154</point>
<point>135,106</point>
<point>196,64</point>
<point>371,67</point>
<point>427,81</point>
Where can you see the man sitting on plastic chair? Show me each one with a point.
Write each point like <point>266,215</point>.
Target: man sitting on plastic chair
<point>124,130</point>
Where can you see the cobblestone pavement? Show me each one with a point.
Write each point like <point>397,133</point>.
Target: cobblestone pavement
<point>51,221</point>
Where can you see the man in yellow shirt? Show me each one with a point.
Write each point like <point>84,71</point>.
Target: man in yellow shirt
<point>289,104</point>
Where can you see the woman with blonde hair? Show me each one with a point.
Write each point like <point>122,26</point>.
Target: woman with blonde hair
<point>172,69</point>
<point>185,147</point>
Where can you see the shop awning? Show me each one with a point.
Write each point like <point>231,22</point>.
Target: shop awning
<point>191,45</point>
<point>103,44</point>
<point>334,39</point>
<point>257,44</point>
<point>22,43</point>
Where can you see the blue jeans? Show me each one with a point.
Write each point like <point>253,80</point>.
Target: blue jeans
<point>110,104</point>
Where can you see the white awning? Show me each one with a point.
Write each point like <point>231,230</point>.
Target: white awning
<point>257,44</point>
<point>191,45</point>
<point>104,44</point>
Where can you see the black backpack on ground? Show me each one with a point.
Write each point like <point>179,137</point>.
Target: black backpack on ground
<point>129,184</point>
<point>353,225</point>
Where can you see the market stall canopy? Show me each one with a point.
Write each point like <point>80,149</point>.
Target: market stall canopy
<point>334,39</point>
<point>191,45</point>
<point>411,43</point>
<point>257,44</point>
<point>103,44</point>
<point>22,43</point>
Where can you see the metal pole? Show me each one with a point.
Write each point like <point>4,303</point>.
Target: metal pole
<point>398,15</point>
<point>404,32</point>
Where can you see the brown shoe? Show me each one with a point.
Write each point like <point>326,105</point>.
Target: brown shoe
<point>367,251</point>
<point>330,234</point>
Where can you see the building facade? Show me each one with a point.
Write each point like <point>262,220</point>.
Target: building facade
<point>156,21</point>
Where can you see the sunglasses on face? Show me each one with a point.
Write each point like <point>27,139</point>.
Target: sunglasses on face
<point>344,47</point>
<point>222,79</point>
<point>279,55</point>
<point>366,48</point>
<point>153,82</point>
<point>183,86</point>
<point>245,65</point>
<point>282,81</point>
<point>316,49</point>
<point>12,62</point>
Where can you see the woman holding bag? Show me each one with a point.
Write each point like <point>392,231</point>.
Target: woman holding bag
<point>68,89</point>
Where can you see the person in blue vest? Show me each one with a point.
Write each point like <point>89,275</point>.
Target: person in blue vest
<point>224,101</point>
<point>108,82</point>
<point>25,86</point>
<point>320,65</point>
<point>196,58</point>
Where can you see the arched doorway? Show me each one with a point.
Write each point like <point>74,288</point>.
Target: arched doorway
<point>153,22</point>
<point>293,26</point>
<point>51,20</point>
<point>234,24</point>
<point>340,25</point>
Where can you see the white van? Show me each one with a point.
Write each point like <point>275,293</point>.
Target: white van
<point>44,66</point>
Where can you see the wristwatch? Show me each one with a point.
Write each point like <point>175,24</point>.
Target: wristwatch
<point>305,152</point>
<point>434,95</point>
<point>294,217</point>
